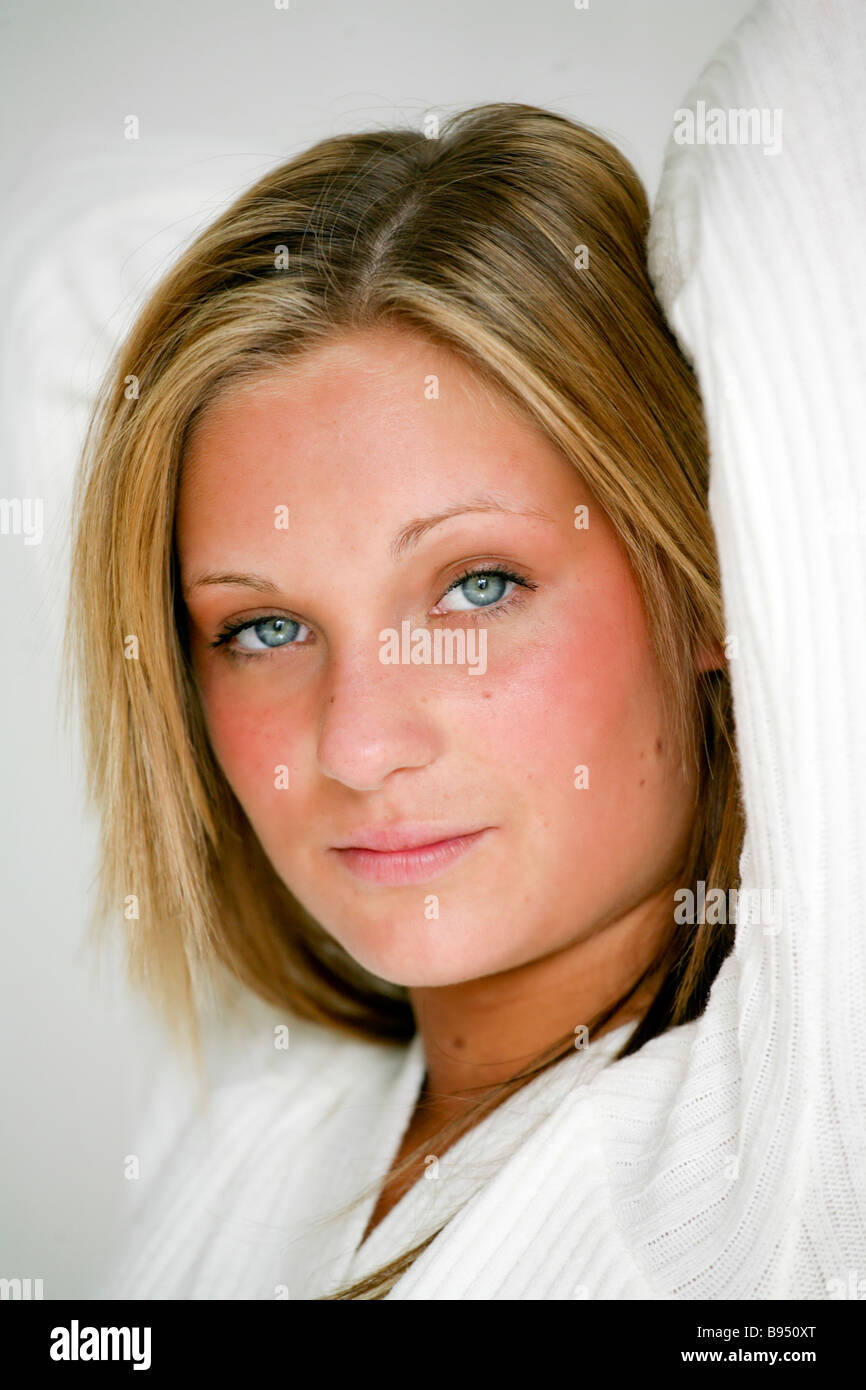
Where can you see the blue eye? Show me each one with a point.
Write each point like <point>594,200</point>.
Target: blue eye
<point>271,632</point>
<point>474,591</point>
<point>480,590</point>
<point>261,635</point>
<point>493,587</point>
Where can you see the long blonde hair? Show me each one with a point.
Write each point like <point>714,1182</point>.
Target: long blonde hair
<point>516,237</point>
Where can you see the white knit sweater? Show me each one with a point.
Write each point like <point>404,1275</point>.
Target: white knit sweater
<point>727,1158</point>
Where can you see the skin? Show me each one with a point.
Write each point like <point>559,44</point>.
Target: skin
<point>555,911</point>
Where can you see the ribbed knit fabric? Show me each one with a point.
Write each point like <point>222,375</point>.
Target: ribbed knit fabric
<point>727,1158</point>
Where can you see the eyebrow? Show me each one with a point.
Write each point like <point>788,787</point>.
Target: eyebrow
<point>410,535</point>
<point>406,538</point>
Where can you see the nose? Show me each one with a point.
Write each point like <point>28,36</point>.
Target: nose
<point>375,720</point>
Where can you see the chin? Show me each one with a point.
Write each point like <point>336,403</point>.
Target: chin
<point>407,963</point>
<point>425,955</point>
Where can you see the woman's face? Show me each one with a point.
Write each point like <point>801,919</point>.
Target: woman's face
<point>349,496</point>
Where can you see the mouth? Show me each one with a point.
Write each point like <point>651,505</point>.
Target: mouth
<point>409,862</point>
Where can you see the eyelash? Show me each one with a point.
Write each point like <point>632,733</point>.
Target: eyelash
<point>231,629</point>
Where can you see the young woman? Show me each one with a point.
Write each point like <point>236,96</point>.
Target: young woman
<point>415,712</point>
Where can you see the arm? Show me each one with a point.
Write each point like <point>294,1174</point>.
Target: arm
<point>759,262</point>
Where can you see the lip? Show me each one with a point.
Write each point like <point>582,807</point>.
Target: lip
<point>404,834</point>
<point>408,853</point>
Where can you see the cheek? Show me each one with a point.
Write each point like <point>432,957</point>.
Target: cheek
<point>251,736</point>
<point>583,722</point>
<point>584,691</point>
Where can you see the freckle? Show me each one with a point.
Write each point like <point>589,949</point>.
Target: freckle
<point>458,1042</point>
<point>658,745</point>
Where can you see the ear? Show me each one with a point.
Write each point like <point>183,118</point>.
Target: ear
<point>710,657</point>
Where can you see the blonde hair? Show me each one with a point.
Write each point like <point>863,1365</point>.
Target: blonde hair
<point>472,238</point>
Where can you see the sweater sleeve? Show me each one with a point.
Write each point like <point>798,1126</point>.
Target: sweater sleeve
<point>756,250</point>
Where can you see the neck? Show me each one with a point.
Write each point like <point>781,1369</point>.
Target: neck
<point>480,1032</point>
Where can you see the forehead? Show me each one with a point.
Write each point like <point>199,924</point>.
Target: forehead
<point>376,407</point>
<point>386,363</point>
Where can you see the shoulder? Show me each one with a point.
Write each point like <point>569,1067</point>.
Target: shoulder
<point>266,1072</point>
<point>286,1102</point>
<point>268,1059</point>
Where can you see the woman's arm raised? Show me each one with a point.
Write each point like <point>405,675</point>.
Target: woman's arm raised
<point>757,253</point>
